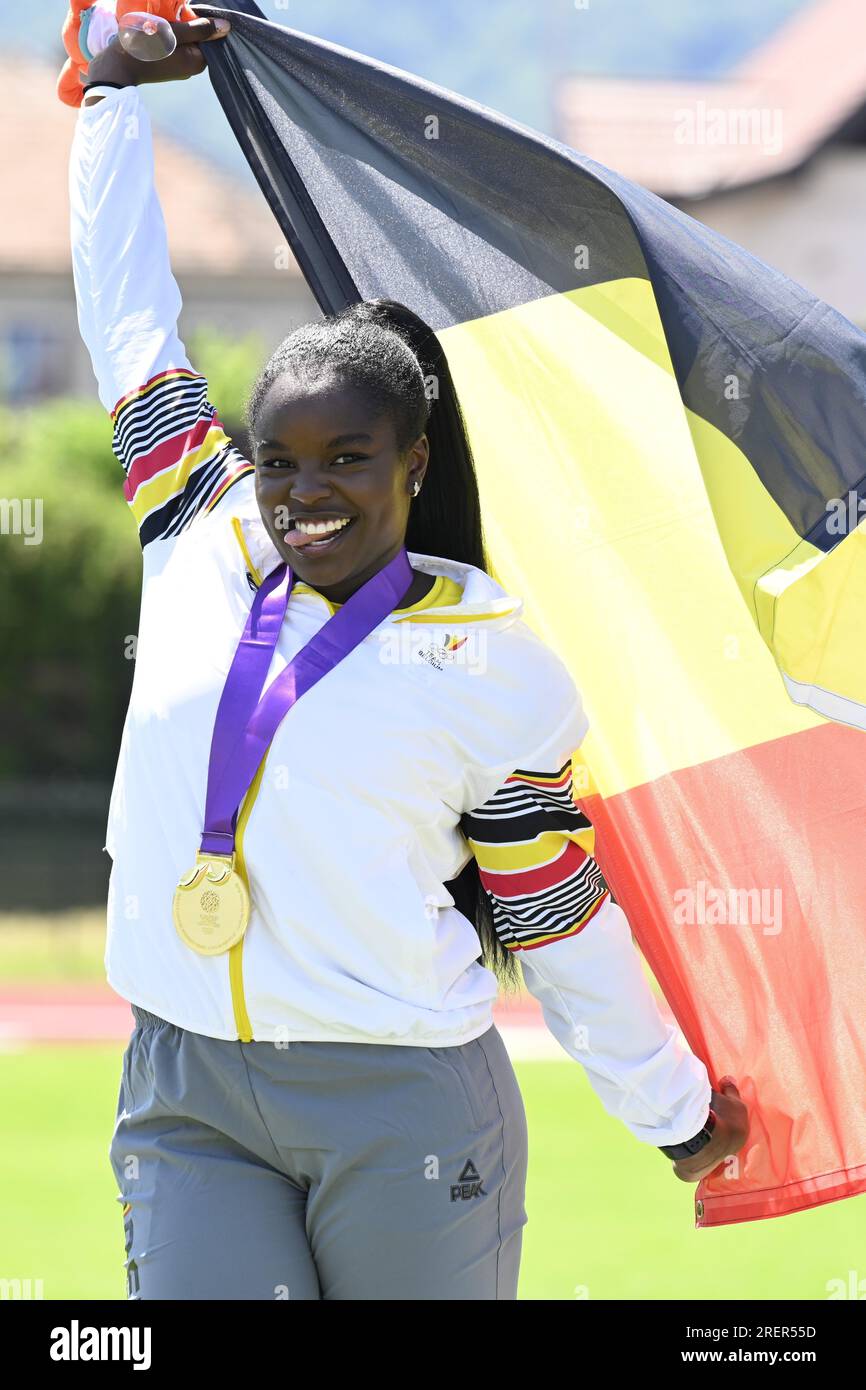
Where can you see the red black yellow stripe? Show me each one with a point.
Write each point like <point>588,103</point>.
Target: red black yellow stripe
<point>178,460</point>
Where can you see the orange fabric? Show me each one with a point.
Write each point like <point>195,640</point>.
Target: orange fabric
<point>76,66</point>
<point>788,1005</point>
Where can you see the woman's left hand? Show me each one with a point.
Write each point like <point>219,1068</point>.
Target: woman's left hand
<point>113,64</point>
<point>729,1135</point>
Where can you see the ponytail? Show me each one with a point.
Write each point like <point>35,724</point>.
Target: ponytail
<point>445,520</point>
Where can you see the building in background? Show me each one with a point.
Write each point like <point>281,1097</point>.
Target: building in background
<point>773,155</point>
<point>228,254</point>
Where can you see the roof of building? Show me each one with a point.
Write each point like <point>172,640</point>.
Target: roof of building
<point>689,139</point>
<point>215,224</point>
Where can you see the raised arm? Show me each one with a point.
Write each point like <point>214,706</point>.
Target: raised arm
<point>167,436</point>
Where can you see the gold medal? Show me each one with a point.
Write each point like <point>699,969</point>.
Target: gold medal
<point>211,906</point>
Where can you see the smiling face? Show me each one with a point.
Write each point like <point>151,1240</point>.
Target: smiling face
<point>323,455</point>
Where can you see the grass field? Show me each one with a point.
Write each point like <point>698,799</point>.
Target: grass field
<point>607,1218</point>
<point>63,946</point>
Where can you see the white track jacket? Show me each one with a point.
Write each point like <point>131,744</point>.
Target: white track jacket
<point>449,731</point>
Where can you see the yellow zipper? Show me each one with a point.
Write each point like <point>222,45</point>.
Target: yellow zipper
<point>237,527</point>
<point>236,972</point>
<point>236,954</point>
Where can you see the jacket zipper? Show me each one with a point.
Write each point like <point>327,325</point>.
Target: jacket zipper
<point>236,973</point>
<point>236,954</point>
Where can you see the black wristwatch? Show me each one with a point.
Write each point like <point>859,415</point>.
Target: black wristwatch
<point>692,1146</point>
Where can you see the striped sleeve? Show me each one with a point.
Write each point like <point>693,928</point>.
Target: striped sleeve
<point>176,456</point>
<point>534,849</point>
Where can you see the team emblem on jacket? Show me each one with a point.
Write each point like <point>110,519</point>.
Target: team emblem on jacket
<point>438,654</point>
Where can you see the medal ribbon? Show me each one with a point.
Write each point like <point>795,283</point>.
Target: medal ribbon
<point>245,724</point>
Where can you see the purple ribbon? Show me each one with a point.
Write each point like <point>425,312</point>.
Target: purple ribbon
<point>245,724</point>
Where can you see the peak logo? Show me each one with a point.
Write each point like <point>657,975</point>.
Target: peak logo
<point>468,1185</point>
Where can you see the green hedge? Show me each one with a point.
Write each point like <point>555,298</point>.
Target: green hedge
<point>69,605</point>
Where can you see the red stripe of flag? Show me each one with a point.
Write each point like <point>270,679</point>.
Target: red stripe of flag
<point>781,1004</point>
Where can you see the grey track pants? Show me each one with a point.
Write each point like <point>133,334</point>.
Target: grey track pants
<point>321,1170</point>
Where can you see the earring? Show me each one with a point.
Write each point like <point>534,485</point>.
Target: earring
<point>416,489</point>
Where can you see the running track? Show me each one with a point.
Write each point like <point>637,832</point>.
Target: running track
<point>38,1014</point>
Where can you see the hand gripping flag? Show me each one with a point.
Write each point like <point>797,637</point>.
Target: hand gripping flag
<point>669,437</point>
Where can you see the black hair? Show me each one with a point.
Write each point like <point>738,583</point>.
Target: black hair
<point>386,351</point>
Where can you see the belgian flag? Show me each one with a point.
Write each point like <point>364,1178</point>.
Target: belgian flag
<point>669,438</point>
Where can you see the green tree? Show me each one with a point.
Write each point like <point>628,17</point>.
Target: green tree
<point>231,366</point>
<point>69,604</point>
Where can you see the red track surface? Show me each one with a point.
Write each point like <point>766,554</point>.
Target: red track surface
<point>81,1013</point>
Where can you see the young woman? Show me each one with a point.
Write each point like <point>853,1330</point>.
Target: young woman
<point>343,807</point>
